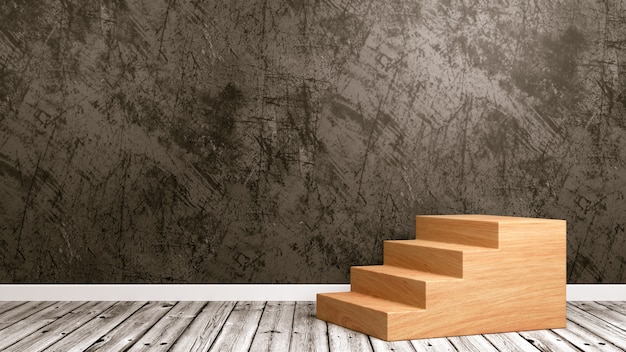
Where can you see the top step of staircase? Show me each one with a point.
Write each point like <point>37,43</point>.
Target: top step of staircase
<point>468,229</point>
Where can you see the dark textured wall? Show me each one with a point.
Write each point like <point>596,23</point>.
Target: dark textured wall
<point>281,141</point>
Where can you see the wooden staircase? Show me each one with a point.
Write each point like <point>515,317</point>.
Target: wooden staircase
<point>462,275</point>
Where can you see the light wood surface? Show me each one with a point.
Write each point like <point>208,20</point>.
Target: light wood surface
<point>430,256</point>
<point>275,326</point>
<point>475,230</point>
<point>485,274</point>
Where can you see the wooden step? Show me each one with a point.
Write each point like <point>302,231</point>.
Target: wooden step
<point>363,313</point>
<point>512,277</point>
<point>407,286</point>
<point>474,230</point>
<point>393,321</point>
<point>432,256</point>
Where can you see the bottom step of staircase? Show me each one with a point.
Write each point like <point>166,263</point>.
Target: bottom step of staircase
<point>392,321</point>
<point>367,314</point>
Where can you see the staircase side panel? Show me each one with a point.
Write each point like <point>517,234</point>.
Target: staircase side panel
<point>519,287</point>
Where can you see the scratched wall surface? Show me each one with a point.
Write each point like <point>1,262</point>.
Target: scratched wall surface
<point>281,141</point>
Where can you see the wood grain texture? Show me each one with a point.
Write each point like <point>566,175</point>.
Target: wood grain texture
<point>269,326</point>
<point>619,306</point>
<point>275,326</point>
<point>393,346</point>
<point>474,343</point>
<point>433,345</point>
<point>203,331</point>
<point>8,305</point>
<point>342,339</point>
<point>93,330</point>
<point>583,339</point>
<point>489,298</point>
<point>603,312</point>
<point>510,341</point>
<point>240,327</point>
<point>430,256</point>
<point>128,332</point>
<point>309,334</point>
<point>547,341</point>
<point>361,312</point>
<point>164,333</point>
<point>20,312</point>
<point>34,322</point>
<point>49,334</point>
<point>461,229</point>
<point>397,284</point>
<point>600,327</point>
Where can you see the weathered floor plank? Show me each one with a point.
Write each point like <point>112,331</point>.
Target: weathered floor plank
<point>597,326</point>
<point>240,327</point>
<point>309,333</point>
<point>605,313</point>
<point>271,326</point>
<point>617,306</point>
<point>379,345</point>
<point>83,337</point>
<point>342,339</point>
<point>433,345</point>
<point>548,341</point>
<point>510,341</point>
<point>274,332</point>
<point>477,343</point>
<point>204,329</point>
<point>128,332</point>
<point>20,312</point>
<point>55,331</point>
<point>8,305</point>
<point>32,323</point>
<point>165,332</point>
<point>584,340</point>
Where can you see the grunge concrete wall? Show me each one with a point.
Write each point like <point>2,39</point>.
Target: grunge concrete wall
<point>281,141</point>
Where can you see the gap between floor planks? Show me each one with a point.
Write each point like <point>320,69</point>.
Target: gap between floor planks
<point>267,326</point>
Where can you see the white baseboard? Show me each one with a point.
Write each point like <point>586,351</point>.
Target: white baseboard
<point>232,292</point>
<point>216,292</point>
<point>597,292</point>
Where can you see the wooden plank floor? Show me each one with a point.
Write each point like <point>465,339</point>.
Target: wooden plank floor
<point>267,326</point>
